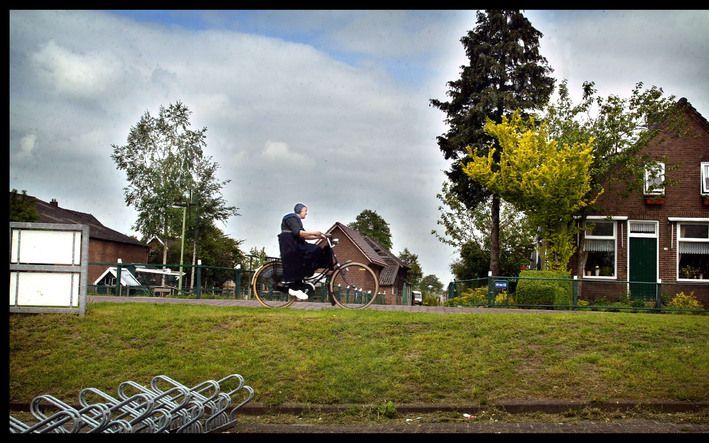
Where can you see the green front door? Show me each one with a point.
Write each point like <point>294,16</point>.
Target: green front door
<point>643,267</point>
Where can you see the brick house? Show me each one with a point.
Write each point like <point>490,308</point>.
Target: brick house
<point>354,246</point>
<point>105,244</point>
<point>658,233</point>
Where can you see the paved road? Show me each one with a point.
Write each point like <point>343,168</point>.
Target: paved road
<point>584,427</point>
<point>316,306</point>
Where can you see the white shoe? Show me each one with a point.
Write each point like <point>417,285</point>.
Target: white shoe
<point>300,295</point>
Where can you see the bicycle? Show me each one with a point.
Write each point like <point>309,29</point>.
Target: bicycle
<point>350,285</point>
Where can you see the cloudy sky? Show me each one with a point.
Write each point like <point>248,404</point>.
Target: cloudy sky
<point>329,108</point>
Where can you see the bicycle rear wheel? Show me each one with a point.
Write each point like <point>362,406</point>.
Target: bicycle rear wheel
<point>266,286</point>
<point>354,286</point>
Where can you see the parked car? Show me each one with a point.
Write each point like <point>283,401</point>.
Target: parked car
<point>417,297</point>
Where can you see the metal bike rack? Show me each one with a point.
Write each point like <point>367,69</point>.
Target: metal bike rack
<point>215,404</point>
<point>166,406</point>
<point>92,418</point>
<point>138,410</point>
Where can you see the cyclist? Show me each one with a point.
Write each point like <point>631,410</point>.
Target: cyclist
<point>300,258</point>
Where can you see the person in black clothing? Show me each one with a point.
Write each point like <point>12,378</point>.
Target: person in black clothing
<point>300,258</point>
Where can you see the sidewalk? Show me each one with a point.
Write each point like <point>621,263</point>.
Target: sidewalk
<point>316,306</point>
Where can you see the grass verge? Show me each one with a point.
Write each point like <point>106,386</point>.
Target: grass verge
<point>365,357</point>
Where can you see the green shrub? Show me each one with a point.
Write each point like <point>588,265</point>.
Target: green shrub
<point>470,297</point>
<point>638,303</point>
<point>544,288</point>
<point>430,300</point>
<point>503,298</point>
<point>685,301</point>
<point>387,409</point>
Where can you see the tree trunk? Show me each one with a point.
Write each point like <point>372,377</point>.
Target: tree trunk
<point>495,236</point>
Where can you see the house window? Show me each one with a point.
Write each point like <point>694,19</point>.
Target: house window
<point>654,179</point>
<point>705,178</point>
<point>639,227</point>
<point>600,245</point>
<point>693,251</point>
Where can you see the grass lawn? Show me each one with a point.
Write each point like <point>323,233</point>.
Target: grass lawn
<point>365,357</point>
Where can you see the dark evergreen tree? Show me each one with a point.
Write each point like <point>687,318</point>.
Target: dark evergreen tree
<point>371,224</point>
<point>506,72</point>
<point>415,273</point>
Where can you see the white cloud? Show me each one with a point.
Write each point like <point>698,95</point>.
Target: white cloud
<point>280,153</point>
<point>617,49</point>
<point>74,74</point>
<point>27,144</point>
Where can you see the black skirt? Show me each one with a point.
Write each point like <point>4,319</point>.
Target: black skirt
<point>300,259</point>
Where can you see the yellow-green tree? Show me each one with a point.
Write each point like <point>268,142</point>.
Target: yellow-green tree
<point>547,180</point>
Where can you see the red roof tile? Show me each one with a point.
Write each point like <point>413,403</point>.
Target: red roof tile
<point>49,213</point>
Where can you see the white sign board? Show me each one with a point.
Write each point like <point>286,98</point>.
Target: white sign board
<point>44,289</point>
<point>48,267</point>
<point>46,247</point>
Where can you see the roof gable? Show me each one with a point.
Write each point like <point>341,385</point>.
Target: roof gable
<point>359,241</point>
<point>375,253</point>
<point>684,104</point>
<point>50,213</point>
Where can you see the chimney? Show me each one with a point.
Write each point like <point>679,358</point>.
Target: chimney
<point>54,203</point>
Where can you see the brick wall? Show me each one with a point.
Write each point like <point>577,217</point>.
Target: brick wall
<point>347,250</point>
<point>682,157</point>
<point>110,252</point>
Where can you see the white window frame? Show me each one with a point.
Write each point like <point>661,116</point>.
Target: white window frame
<point>648,169</point>
<point>613,237</point>
<point>704,176</point>
<point>690,239</point>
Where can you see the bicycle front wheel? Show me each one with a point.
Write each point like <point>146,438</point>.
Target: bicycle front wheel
<point>354,286</point>
<point>266,286</point>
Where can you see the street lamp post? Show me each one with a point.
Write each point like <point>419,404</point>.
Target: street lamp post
<point>182,249</point>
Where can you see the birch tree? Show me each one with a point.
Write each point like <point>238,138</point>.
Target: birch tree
<point>165,164</point>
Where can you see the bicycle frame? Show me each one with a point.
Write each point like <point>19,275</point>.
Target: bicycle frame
<point>326,272</point>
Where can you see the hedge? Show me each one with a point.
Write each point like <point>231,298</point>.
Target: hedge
<point>544,288</point>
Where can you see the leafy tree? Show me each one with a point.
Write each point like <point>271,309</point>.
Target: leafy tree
<point>473,263</point>
<point>506,72</point>
<point>218,250</point>
<point>431,287</point>
<point>22,207</point>
<point>431,280</point>
<point>547,180</point>
<point>165,163</point>
<point>371,224</point>
<point>619,128</point>
<point>414,273</point>
<point>469,231</point>
<point>255,258</point>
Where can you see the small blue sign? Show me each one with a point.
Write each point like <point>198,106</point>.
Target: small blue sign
<point>501,284</point>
